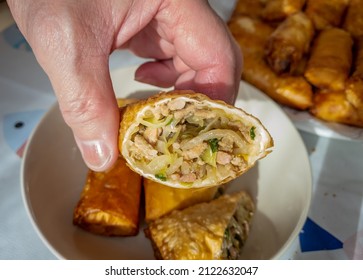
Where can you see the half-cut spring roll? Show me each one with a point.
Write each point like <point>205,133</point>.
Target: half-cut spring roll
<point>288,44</point>
<point>216,230</point>
<point>353,22</point>
<point>276,10</point>
<point>184,139</point>
<point>331,59</point>
<point>326,13</point>
<point>109,203</point>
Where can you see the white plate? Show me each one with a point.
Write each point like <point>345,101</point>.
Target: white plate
<point>53,176</point>
<point>306,122</point>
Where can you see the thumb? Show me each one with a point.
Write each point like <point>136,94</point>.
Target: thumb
<point>88,105</point>
<point>74,50</point>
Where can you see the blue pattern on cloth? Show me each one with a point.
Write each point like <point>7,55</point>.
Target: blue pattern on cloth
<point>315,238</point>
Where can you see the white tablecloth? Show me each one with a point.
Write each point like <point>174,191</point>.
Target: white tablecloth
<point>333,230</point>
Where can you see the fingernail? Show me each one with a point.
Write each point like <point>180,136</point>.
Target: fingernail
<point>95,153</point>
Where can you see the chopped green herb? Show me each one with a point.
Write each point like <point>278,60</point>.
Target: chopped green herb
<point>227,234</point>
<point>252,132</point>
<point>171,120</point>
<point>161,177</point>
<point>213,143</point>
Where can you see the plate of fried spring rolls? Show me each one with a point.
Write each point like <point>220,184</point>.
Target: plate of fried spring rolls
<point>184,139</point>
<point>275,64</point>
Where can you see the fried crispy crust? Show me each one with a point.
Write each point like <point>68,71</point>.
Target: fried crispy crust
<point>252,35</point>
<point>331,59</point>
<point>326,13</point>
<point>288,44</point>
<point>161,200</point>
<point>109,203</point>
<point>197,232</point>
<point>333,106</point>
<point>354,18</point>
<point>276,10</point>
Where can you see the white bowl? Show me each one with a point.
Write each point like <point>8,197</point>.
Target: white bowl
<point>53,175</point>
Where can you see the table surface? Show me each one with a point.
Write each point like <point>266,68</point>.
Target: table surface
<point>333,230</point>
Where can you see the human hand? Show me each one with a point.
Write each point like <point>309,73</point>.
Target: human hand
<point>72,41</point>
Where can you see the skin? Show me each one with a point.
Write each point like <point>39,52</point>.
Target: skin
<point>190,48</point>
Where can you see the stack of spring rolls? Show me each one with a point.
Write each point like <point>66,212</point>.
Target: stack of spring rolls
<point>179,149</point>
<point>305,54</point>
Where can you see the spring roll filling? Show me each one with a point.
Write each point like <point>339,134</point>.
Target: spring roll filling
<point>236,234</point>
<point>185,141</point>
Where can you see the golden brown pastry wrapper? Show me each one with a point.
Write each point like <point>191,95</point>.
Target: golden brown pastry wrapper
<point>199,232</point>
<point>161,200</point>
<point>184,139</point>
<point>110,200</point>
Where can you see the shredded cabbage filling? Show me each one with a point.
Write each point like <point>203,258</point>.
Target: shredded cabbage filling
<point>187,142</point>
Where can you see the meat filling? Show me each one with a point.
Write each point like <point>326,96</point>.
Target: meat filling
<point>186,141</point>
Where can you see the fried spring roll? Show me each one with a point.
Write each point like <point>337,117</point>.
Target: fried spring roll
<point>288,44</point>
<point>330,61</point>
<point>184,139</point>
<point>326,13</point>
<point>354,18</point>
<point>251,8</point>
<point>276,10</point>
<point>292,91</point>
<point>161,200</point>
<point>354,87</point>
<point>216,230</point>
<point>250,33</point>
<point>333,106</point>
<point>109,203</point>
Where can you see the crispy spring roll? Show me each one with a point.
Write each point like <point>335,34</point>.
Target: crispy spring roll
<point>292,91</point>
<point>161,200</point>
<point>109,203</point>
<point>354,86</point>
<point>331,59</point>
<point>326,13</point>
<point>250,33</point>
<point>184,139</point>
<point>216,230</point>
<point>353,22</point>
<point>251,8</point>
<point>333,106</point>
<point>276,10</point>
<point>288,44</point>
